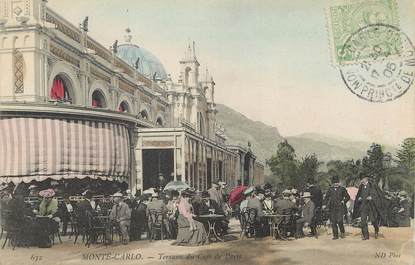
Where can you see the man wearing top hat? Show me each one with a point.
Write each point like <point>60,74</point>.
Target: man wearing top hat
<point>336,199</point>
<point>369,206</point>
<point>307,215</point>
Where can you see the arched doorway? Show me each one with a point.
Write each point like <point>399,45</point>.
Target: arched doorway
<point>159,122</point>
<point>124,107</point>
<point>98,100</point>
<point>144,114</point>
<point>61,89</point>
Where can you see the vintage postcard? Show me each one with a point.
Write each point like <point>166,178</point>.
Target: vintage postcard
<point>207,132</point>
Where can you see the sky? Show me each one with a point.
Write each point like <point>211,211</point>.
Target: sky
<point>270,59</point>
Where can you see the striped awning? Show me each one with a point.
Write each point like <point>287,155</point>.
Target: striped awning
<point>41,148</point>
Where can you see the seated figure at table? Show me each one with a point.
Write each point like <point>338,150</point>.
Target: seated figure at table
<point>121,216</point>
<point>65,211</point>
<point>173,212</point>
<point>284,206</point>
<point>190,232</point>
<point>210,206</point>
<point>157,204</point>
<point>83,211</point>
<point>268,203</point>
<point>14,213</point>
<point>307,214</point>
<point>139,217</point>
<point>215,193</point>
<point>255,202</point>
<point>48,207</point>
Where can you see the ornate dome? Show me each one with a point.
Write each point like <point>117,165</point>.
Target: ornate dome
<point>148,64</point>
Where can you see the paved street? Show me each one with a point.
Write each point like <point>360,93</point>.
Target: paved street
<point>395,246</point>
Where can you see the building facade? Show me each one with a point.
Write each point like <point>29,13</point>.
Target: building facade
<point>72,108</point>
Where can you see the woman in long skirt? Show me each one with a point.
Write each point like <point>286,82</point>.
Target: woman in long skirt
<point>190,232</point>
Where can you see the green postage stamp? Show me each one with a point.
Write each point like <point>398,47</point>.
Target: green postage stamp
<point>345,18</point>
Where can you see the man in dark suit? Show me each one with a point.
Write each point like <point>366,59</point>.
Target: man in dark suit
<point>316,194</point>
<point>209,204</point>
<point>336,199</point>
<point>369,205</point>
<point>83,211</point>
<point>307,214</point>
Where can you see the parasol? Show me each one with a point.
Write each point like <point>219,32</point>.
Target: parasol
<point>236,195</point>
<point>176,185</point>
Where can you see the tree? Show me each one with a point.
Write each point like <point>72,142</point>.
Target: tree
<point>373,165</point>
<point>308,169</point>
<point>406,156</point>
<point>403,175</point>
<point>348,171</point>
<point>283,164</point>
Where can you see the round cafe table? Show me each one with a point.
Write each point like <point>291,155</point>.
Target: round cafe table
<point>211,220</point>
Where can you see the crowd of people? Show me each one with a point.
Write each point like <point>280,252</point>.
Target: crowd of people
<point>178,214</point>
<point>312,208</point>
<point>131,215</point>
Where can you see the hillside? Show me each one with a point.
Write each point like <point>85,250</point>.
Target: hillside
<point>265,139</point>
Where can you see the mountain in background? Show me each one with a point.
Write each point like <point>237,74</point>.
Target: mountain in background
<point>264,139</point>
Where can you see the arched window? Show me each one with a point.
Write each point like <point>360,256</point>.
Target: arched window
<point>159,122</point>
<point>98,100</point>
<point>61,89</point>
<point>144,114</point>
<point>124,107</point>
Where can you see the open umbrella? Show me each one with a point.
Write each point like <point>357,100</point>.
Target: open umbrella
<point>149,191</point>
<point>236,195</point>
<point>176,185</point>
<point>352,191</point>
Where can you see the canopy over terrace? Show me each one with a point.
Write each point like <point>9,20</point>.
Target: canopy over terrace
<point>61,146</point>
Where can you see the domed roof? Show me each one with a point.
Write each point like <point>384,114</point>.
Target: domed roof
<point>148,64</point>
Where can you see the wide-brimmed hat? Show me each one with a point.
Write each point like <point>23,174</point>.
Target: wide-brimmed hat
<point>31,187</point>
<point>47,193</point>
<point>403,193</point>
<point>286,191</point>
<point>306,195</point>
<point>117,194</point>
<point>249,190</point>
<point>222,183</point>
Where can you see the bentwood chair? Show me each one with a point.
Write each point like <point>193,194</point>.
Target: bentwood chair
<point>155,224</point>
<point>284,224</point>
<point>98,228</point>
<point>249,221</point>
<point>12,229</point>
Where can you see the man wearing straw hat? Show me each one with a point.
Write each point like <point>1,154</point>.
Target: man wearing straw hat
<point>121,216</point>
<point>307,214</point>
